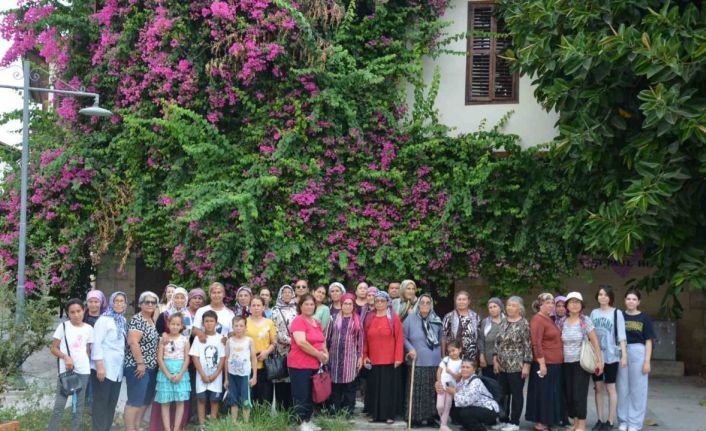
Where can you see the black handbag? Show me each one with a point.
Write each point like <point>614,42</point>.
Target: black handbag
<point>276,367</point>
<point>70,381</point>
<point>276,364</point>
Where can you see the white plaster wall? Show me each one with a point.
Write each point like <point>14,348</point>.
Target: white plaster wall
<point>530,121</point>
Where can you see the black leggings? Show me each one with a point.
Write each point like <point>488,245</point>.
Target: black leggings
<point>576,390</point>
<point>512,384</point>
<point>474,418</point>
<point>262,391</point>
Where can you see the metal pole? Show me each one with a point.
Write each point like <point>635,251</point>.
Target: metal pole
<point>19,313</point>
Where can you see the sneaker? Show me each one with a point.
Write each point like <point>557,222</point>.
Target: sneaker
<point>598,426</point>
<point>444,428</point>
<point>623,427</point>
<point>607,426</point>
<point>314,427</point>
<point>499,426</point>
<point>305,426</point>
<point>633,429</point>
<point>510,427</point>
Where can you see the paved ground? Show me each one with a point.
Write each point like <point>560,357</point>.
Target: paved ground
<point>674,402</point>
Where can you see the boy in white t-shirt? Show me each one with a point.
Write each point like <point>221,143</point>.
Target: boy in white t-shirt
<point>208,358</point>
<point>74,357</point>
<point>448,373</point>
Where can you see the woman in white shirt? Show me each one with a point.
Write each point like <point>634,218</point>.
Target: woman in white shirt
<point>107,357</point>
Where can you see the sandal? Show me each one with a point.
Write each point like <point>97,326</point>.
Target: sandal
<point>390,421</point>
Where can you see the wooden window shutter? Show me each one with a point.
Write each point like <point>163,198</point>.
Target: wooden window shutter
<point>488,76</point>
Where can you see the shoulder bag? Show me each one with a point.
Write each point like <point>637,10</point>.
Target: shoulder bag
<point>588,358</point>
<point>70,381</point>
<point>276,364</point>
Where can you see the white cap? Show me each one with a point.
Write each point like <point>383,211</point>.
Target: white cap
<point>574,295</point>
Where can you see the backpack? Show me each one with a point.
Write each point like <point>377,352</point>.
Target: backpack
<point>493,386</point>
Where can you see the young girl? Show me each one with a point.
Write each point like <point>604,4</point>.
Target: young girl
<point>72,345</point>
<point>448,373</point>
<point>242,361</point>
<point>610,328</point>
<point>173,384</point>
<point>632,381</point>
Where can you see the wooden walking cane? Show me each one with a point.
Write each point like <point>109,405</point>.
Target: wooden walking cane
<point>411,394</point>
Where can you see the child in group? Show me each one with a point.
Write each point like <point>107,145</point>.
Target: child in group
<point>72,346</point>
<point>208,358</point>
<point>632,381</point>
<point>609,324</point>
<point>448,373</point>
<point>242,361</point>
<point>173,384</point>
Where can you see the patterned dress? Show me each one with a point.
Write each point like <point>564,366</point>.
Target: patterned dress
<point>463,329</point>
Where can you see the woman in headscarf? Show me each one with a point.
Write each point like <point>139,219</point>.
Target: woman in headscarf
<point>283,313</point>
<point>384,351</point>
<point>462,325</point>
<point>404,305</point>
<point>178,304</point>
<point>107,356</point>
<point>370,297</point>
<point>422,342</point>
<point>489,328</point>
<point>95,306</point>
<point>336,292</point>
<point>242,304</point>
<point>559,311</point>
<point>344,338</point>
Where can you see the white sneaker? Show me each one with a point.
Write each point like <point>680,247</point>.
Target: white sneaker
<point>510,427</point>
<point>499,426</point>
<point>633,429</point>
<point>314,427</point>
<point>623,427</point>
<point>306,426</point>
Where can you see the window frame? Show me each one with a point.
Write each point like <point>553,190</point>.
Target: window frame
<point>491,98</point>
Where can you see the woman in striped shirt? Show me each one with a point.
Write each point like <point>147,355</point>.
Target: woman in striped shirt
<point>344,338</point>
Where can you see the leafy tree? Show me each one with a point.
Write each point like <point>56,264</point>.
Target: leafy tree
<point>628,79</point>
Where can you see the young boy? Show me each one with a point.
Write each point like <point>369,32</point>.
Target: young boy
<point>72,345</point>
<point>208,360</point>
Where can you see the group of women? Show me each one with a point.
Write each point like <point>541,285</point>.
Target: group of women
<point>388,348</point>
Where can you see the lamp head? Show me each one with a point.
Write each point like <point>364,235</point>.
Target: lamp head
<point>95,111</point>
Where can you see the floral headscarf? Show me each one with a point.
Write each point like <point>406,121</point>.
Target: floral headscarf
<point>119,318</point>
<point>369,316</point>
<point>280,302</point>
<point>242,310</point>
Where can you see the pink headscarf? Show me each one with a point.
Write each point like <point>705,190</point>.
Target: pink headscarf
<point>355,320</point>
<point>97,294</point>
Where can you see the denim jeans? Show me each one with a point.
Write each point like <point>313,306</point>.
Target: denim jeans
<point>60,406</point>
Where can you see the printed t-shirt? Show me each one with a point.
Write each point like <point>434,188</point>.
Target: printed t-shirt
<point>225,319</point>
<point>638,328</point>
<point>239,356</point>
<point>78,338</point>
<point>605,330</point>
<point>209,353</point>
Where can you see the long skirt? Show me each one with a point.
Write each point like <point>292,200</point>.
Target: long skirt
<point>385,388</point>
<point>423,394</point>
<point>544,396</point>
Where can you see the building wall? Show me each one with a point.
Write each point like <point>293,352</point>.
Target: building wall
<point>529,121</point>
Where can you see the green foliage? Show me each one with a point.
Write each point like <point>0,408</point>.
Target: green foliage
<point>628,79</point>
<point>262,418</point>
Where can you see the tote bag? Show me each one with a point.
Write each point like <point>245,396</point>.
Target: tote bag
<point>320,386</point>
<point>588,358</point>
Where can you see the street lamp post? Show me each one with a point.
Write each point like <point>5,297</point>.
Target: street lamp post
<point>94,110</point>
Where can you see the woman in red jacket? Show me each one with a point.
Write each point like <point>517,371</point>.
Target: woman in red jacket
<point>384,351</point>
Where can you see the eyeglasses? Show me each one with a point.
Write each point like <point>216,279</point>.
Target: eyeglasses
<point>149,302</point>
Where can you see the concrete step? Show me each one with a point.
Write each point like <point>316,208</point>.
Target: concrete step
<point>661,368</point>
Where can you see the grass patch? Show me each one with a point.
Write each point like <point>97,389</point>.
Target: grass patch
<point>262,418</point>
<point>330,421</point>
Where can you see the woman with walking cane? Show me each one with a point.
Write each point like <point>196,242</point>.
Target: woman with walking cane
<point>422,335</point>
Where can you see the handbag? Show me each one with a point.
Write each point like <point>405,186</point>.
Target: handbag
<point>276,367</point>
<point>320,385</point>
<point>70,381</point>
<point>588,357</point>
<point>276,364</point>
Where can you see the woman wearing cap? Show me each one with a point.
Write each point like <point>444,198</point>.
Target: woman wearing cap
<point>344,338</point>
<point>544,392</point>
<point>462,325</point>
<point>384,351</point>
<point>513,355</point>
<point>422,342</point>
<point>141,361</point>
<point>107,356</point>
<point>489,328</point>
<point>242,305</point>
<point>336,292</point>
<point>574,329</point>
<point>404,305</point>
<point>283,313</point>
